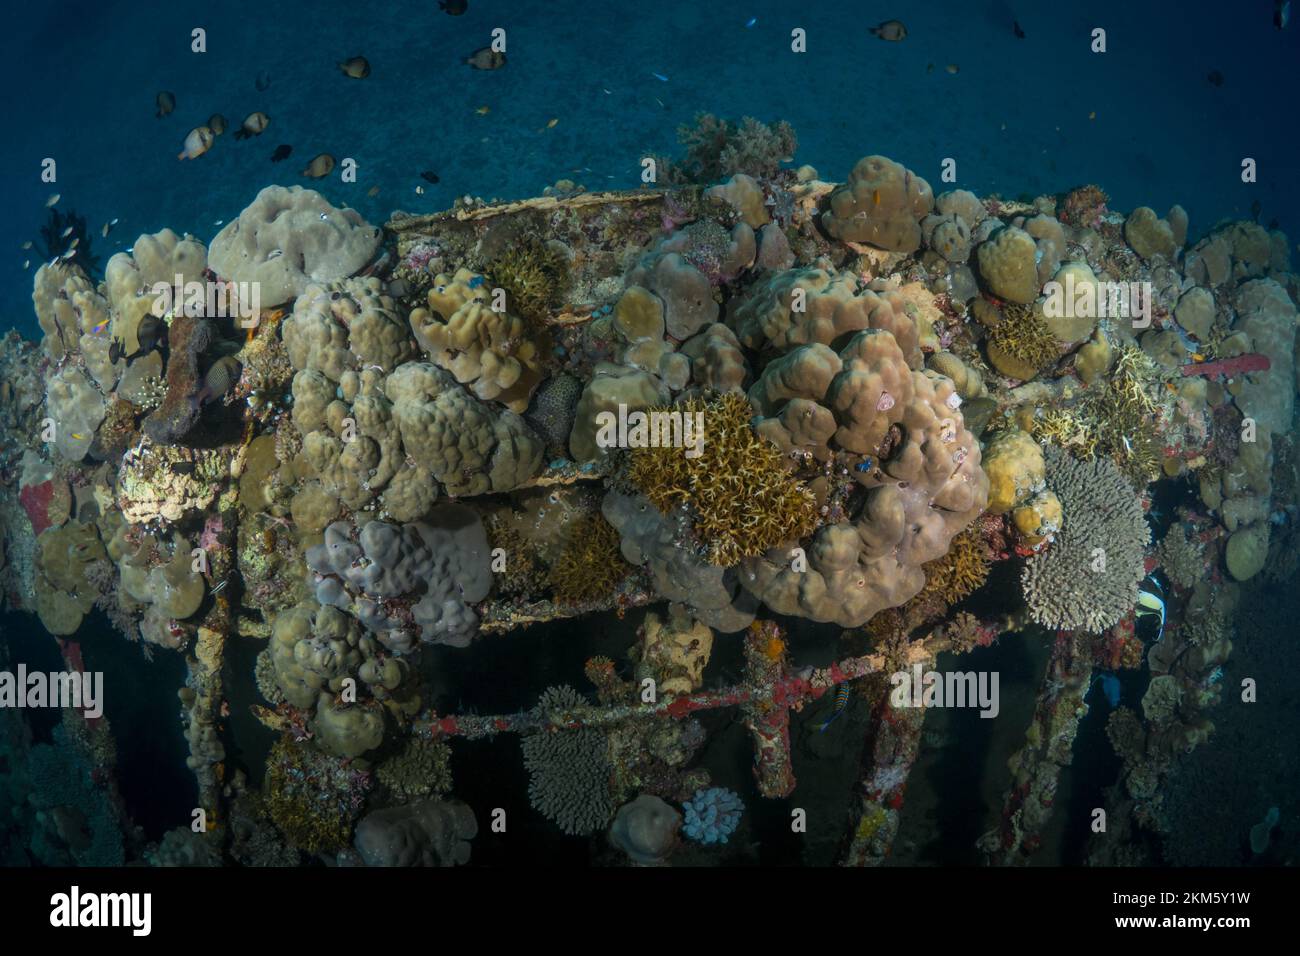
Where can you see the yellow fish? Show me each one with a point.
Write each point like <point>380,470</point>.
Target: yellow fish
<point>483,110</point>
<point>101,327</point>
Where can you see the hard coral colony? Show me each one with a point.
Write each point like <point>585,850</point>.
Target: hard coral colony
<point>405,453</point>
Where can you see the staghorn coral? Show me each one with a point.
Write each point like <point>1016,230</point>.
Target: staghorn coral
<point>960,572</point>
<point>590,566</point>
<point>568,770</point>
<point>1089,578</point>
<point>741,500</point>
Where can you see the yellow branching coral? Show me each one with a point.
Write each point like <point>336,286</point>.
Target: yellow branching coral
<point>742,499</point>
<point>1021,345</point>
<point>591,564</point>
<point>534,276</point>
<point>960,572</point>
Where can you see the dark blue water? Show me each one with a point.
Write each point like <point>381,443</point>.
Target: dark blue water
<point>1016,117</point>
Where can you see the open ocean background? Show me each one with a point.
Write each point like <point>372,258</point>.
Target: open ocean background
<point>83,77</point>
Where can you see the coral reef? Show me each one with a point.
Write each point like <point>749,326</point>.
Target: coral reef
<point>568,770</point>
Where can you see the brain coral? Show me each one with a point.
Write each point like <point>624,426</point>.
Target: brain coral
<point>289,238</point>
<point>923,479</point>
<point>568,770</point>
<point>495,354</point>
<point>882,204</point>
<point>1088,579</point>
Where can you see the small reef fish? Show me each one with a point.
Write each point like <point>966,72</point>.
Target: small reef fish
<point>254,125</point>
<point>842,695</point>
<point>486,58</point>
<point>372,192</point>
<point>100,327</point>
<point>1151,604</point>
<point>749,24</point>
<point>104,232</point>
<point>357,67</point>
<point>419,190</point>
<point>198,142</point>
<point>891,30</point>
<point>262,82</point>
<point>483,110</point>
<point>1281,13</point>
<point>281,152</point>
<point>429,176</point>
<point>1215,78</point>
<point>217,123</point>
<point>53,200</point>
<point>550,124</point>
<point>660,77</point>
<point>66,232</point>
<point>1110,687</point>
<point>166,103</point>
<point>224,373</point>
<point>453,8</point>
<point>27,245</point>
<point>320,166</point>
<point>953,68</point>
<point>1015,28</point>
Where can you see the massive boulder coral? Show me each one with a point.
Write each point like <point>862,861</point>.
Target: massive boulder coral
<point>1088,579</point>
<point>495,354</point>
<point>289,238</point>
<point>348,324</point>
<point>882,204</point>
<point>429,833</point>
<point>439,568</point>
<point>1008,265</point>
<point>683,269</point>
<point>922,474</point>
<point>469,447</point>
<point>805,306</point>
<point>76,408</point>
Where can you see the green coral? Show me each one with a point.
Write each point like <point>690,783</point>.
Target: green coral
<point>420,768</point>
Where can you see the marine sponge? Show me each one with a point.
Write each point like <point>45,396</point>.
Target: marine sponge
<point>1088,579</point>
<point>882,204</point>
<point>741,499</point>
<point>495,354</point>
<point>535,278</point>
<point>1014,464</point>
<point>646,830</point>
<point>568,770</point>
<point>590,566</point>
<point>64,595</point>
<point>288,238</point>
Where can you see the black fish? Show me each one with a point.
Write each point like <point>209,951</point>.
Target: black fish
<point>453,7</point>
<point>150,333</point>
<point>429,176</point>
<point>1015,26</point>
<point>1273,224</point>
<point>281,152</point>
<point>115,350</point>
<point>263,81</point>
<point>1215,78</point>
<point>1254,211</point>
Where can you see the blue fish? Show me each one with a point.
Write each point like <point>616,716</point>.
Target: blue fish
<point>660,77</point>
<point>864,465</point>
<point>842,696</point>
<point>1110,687</point>
<point>750,24</point>
<point>475,282</point>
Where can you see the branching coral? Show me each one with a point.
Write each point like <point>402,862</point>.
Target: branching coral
<point>591,565</point>
<point>1089,577</point>
<point>1021,345</point>
<point>535,278</point>
<point>741,498</point>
